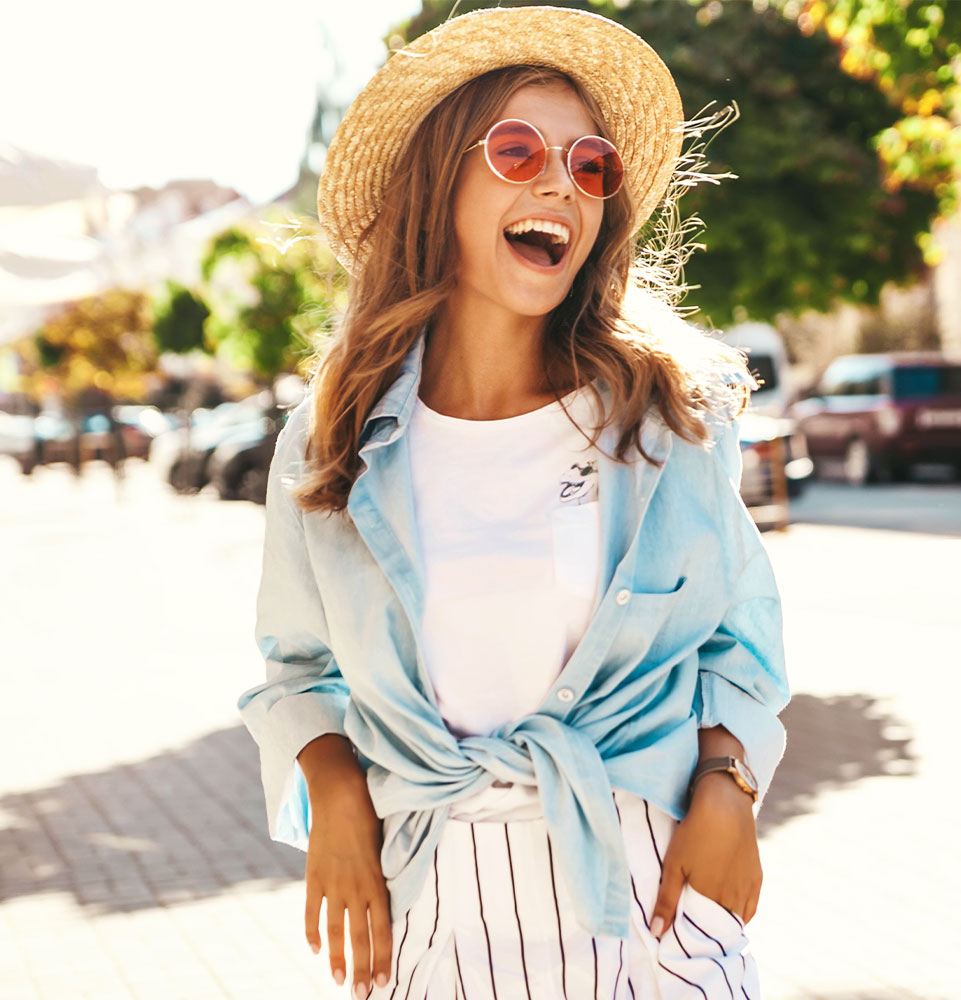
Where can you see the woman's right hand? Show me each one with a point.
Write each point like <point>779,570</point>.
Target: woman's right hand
<point>343,864</point>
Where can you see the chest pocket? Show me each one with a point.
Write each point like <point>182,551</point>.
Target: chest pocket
<point>653,623</point>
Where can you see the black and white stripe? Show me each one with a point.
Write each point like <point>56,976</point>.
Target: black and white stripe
<point>495,921</point>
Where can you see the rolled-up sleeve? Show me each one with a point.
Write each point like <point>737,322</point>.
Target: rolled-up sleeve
<point>742,681</point>
<point>304,695</point>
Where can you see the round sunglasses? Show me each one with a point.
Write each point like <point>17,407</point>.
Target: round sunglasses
<point>517,152</point>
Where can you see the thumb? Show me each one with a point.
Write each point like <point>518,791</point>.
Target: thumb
<point>672,881</point>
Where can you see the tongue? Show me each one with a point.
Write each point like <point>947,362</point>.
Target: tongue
<point>534,252</point>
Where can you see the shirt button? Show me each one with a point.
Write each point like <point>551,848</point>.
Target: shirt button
<point>622,597</point>
<point>565,694</point>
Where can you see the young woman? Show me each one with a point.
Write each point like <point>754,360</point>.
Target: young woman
<point>522,640</point>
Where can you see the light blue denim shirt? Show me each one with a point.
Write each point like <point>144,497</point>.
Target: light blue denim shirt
<point>686,632</point>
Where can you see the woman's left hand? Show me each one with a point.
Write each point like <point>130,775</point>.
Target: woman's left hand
<point>715,849</point>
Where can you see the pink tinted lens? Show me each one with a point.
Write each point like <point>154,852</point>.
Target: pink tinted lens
<point>596,166</point>
<point>515,151</point>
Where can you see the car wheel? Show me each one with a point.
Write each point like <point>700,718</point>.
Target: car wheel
<point>891,471</point>
<point>795,487</point>
<point>228,486</point>
<point>253,485</point>
<point>181,477</point>
<point>857,463</point>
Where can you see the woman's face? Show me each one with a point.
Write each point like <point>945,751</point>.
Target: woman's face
<point>505,273</point>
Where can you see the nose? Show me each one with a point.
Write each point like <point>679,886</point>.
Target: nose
<point>555,181</point>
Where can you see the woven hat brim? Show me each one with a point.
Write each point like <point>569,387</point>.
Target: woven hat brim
<point>633,88</point>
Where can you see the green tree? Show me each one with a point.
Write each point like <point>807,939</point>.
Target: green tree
<point>271,298</point>
<point>179,317</point>
<point>808,220</point>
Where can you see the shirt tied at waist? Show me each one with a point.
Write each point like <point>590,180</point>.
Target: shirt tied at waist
<point>413,797</point>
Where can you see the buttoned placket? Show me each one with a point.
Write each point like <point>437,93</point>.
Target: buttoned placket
<point>615,479</point>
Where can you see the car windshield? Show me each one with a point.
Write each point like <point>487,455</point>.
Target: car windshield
<point>927,381</point>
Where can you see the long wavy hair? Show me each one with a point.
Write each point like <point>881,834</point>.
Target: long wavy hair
<point>644,353</point>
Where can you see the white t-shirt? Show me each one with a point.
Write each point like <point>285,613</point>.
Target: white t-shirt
<point>507,514</point>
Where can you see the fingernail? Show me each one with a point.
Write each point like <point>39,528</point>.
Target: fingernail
<point>360,991</point>
<point>657,927</point>
<point>339,977</point>
<point>315,948</point>
<point>381,979</point>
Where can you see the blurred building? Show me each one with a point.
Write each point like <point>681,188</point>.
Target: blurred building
<point>64,235</point>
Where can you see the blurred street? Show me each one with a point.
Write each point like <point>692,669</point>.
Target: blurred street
<point>134,861</point>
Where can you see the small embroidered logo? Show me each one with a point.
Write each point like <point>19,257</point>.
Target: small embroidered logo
<point>579,483</point>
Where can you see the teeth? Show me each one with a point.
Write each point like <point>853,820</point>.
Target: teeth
<point>558,232</point>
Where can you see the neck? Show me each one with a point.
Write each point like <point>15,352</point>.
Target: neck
<point>484,364</point>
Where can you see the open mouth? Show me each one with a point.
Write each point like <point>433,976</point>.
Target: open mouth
<point>538,241</point>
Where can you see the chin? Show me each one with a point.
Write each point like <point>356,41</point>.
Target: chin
<point>540,302</point>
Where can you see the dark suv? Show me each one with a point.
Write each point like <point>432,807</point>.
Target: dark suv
<point>879,414</point>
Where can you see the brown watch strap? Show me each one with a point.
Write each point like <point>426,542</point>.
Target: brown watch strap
<point>741,774</point>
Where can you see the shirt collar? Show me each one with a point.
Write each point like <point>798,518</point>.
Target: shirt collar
<point>390,416</point>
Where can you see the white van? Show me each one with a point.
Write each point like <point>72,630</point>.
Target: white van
<point>767,359</point>
<point>765,421</point>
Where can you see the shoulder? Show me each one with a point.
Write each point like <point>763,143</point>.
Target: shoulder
<point>717,457</point>
<point>298,425</point>
<point>725,446</point>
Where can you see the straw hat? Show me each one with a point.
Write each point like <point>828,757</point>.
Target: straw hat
<point>633,88</point>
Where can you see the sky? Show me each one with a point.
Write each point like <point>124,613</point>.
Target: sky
<point>147,92</point>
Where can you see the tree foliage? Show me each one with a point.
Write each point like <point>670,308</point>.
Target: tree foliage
<point>271,300</point>
<point>179,318</point>
<point>101,345</point>
<point>808,220</point>
<point>910,50</point>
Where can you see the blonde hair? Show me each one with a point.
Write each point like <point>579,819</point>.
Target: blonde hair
<point>644,355</point>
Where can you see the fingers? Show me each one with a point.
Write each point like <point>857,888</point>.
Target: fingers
<point>335,940</point>
<point>381,936</point>
<point>672,881</point>
<point>360,950</point>
<point>369,931</point>
<point>312,918</point>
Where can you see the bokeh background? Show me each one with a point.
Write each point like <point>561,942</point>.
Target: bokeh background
<point>163,285</point>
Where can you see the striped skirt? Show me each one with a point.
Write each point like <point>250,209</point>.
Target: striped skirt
<point>495,922</point>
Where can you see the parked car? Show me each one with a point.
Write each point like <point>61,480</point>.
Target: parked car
<point>774,467</point>
<point>51,436</point>
<point>183,457</point>
<point>877,415</point>
<point>17,439</point>
<point>140,426</point>
<point>773,447</point>
<point>239,465</point>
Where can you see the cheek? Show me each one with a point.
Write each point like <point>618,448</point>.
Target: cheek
<point>471,223</point>
<point>592,219</point>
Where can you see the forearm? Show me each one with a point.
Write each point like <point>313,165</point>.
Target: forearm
<point>330,767</point>
<point>716,741</point>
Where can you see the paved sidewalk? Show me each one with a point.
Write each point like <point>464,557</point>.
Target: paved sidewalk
<point>133,858</point>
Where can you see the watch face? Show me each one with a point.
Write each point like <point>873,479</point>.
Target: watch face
<point>745,775</point>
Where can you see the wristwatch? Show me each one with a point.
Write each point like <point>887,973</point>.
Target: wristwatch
<point>737,769</point>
